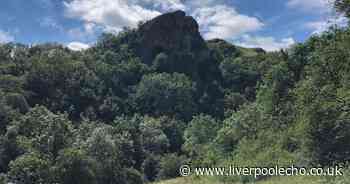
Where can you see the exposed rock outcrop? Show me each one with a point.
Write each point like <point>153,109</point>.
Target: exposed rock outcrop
<point>167,33</point>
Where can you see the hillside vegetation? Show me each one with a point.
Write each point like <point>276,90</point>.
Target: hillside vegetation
<point>136,106</point>
<point>285,180</point>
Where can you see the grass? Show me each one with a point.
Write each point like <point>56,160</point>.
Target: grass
<point>276,180</point>
<point>293,180</point>
<point>247,52</point>
<point>189,181</point>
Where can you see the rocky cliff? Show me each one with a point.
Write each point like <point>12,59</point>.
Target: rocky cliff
<point>167,33</point>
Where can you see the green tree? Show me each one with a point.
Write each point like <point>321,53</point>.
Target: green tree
<point>7,113</point>
<point>245,123</point>
<point>130,128</point>
<point>73,166</point>
<point>236,76</point>
<point>343,6</point>
<point>199,135</point>
<point>61,83</point>
<point>322,101</point>
<point>29,169</point>
<point>9,149</point>
<point>170,165</point>
<point>150,167</point>
<point>41,130</point>
<point>166,94</point>
<point>154,139</point>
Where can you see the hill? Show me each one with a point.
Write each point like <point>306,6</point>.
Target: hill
<point>228,50</point>
<point>137,106</point>
<point>285,180</point>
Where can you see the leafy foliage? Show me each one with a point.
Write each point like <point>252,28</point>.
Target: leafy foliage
<point>166,94</point>
<point>133,110</point>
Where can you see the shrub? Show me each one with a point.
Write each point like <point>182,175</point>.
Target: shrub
<point>29,169</point>
<point>170,165</point>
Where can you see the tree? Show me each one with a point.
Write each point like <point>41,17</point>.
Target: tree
<point>108,150</point>
<point>7,113</point>
<point>236,76</point>
<point>245,123</point>
<point>130,128</point>
<point>322,101</point>
<point>343,6</point>
<point>233,101</point>
<point>150,167</point>
<point>166,94</point>
<point>29,169</point>
<point>174,131</point>
<point>154,139</point>
<point>73,166</point>
<point>199,136</point>
<point>41,130</point>
<point>170,165</point>
<point>61,83</point>
<point>9,149</point>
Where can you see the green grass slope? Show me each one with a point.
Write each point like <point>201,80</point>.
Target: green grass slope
<point>275,180</point>
<point>226,49</point>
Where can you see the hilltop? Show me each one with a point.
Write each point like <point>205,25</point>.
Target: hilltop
<point>138,105</point>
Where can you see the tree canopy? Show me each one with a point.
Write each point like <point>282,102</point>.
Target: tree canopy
<point>131,110</point>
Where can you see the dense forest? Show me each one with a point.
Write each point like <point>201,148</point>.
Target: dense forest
<point>136,106</point>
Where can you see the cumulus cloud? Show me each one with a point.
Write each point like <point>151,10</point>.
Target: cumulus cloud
<point>224,22</point>
<point>318,6</point>
<point>164,5</point>
<point>318,27</point>
<point>113,14</point>
<point>5,37</point>
<point>325,10</point>
<point>216,21</point>
<point>267,43</point>
<point>78,46</point>
<point>50,22</point>
<point>87,31</point>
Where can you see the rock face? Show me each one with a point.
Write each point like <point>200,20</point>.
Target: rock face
<point>168,33</point>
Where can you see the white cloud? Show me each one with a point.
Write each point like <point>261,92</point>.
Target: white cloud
<point>317,26</point>
<point>325,10</point>
<point>216,21</point>
<point>320,26</point>
<point>215,18</point>
<point>267,43</point>
<point>317,6</point>
<point>164,5</point>
<point>77,33</point>
<point>50,22</point>
<point>86,32</point>
<point>90,28</point>
<point>113,14</point>
<point>224,22</point>
<point>6,37</point>
<point>78,46</point>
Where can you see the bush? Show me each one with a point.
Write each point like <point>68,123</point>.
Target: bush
<point>3,179</point>
<point>166,94</point>
<point>73,166</point>
<point>151,167</point>
<point>133,177</point>
<point>170,165</point>
<point>29,169</point>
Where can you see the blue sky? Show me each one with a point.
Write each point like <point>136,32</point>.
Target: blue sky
<point>270,24</point>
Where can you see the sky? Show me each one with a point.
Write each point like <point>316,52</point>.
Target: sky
<point>268,24</point>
